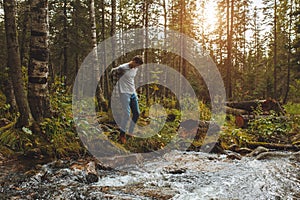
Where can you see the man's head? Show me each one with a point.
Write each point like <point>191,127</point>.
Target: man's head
<point>136,61</point>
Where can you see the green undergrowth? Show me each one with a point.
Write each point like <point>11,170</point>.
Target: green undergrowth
<point>292,108</point>
<point>272,129</point>
<point>57,137</point>
<point>54,137</point>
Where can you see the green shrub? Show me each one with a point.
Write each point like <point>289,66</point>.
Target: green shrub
<point>17,140</point>
<point>292,108</point>
<point>60,130</point>
<point>270,128</point>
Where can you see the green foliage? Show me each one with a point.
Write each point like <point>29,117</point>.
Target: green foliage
<point>61,135</point>
<point>230,134</point>
<point>293,111</point>
<point>295,91</point>
<point>4,110</point>
<point>292,108</point>
<point>62,108</point>
<point>66,144</point>
<point>55,137</point>
<point>151,139</point>
<point>205,112</point>
<point>157,141</point>
<point>4,107</point>
<point>60,130</point>
<point>268,127</point>
<point>17,140</point>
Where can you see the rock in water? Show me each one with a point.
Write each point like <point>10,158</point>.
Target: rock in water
<point>213,147</point>
<point>91,173</point>
<point>91,178</point>
<point>233,156</point>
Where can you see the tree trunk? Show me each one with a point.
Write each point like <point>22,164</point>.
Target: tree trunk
<point>182,31</point>
<point>65,36</point>
<point>109,87</point>
<point>113,27</point>
<point>102,103</point>
<point>77,42</point>
<point>38,93</point>
<point>289,55</point>
<point>275,51</point>
<point>14,62</point>
<point>249,106</point>
<point>146,50</point>
<point>164,53</point>
<point>25,37</point>
<point>230,16</point>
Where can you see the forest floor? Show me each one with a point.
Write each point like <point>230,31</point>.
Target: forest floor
<point>58,137</point>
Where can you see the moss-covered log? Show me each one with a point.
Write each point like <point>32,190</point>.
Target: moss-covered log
<point>251,106</point>
<point>235,111</point>
<point>275,146</point>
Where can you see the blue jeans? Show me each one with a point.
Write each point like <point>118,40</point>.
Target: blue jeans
<point>129,103</point>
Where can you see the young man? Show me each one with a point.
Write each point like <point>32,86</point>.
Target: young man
<point>128,96</point>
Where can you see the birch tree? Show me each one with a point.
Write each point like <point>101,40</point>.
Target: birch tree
<point>38,93</point>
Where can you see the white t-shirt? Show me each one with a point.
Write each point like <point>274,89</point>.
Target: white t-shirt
<point>126,82</point>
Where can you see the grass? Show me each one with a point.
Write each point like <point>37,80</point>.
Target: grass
<point>292,108</point>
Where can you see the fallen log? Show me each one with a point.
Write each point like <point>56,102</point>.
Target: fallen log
<point>290,147</point>
<point>235,111</point>
<point>251,106</point>
<point>248,106</point>
<point>241,121</point>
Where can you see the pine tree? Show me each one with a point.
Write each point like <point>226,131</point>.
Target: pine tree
<point>256,70</point>
<point>280,46</point>
<point>231,41</point>
<point>295,57</point>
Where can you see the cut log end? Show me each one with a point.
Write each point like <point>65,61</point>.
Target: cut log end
<point>239,121</point>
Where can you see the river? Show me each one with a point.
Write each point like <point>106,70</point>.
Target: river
<point>176,175</point>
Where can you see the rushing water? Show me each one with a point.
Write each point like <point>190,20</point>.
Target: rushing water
<point>178,175</point>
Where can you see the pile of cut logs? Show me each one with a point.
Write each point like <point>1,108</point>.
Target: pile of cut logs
<point>245,111</point>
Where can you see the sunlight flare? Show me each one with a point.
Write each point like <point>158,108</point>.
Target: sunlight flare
<point>209,14</point>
